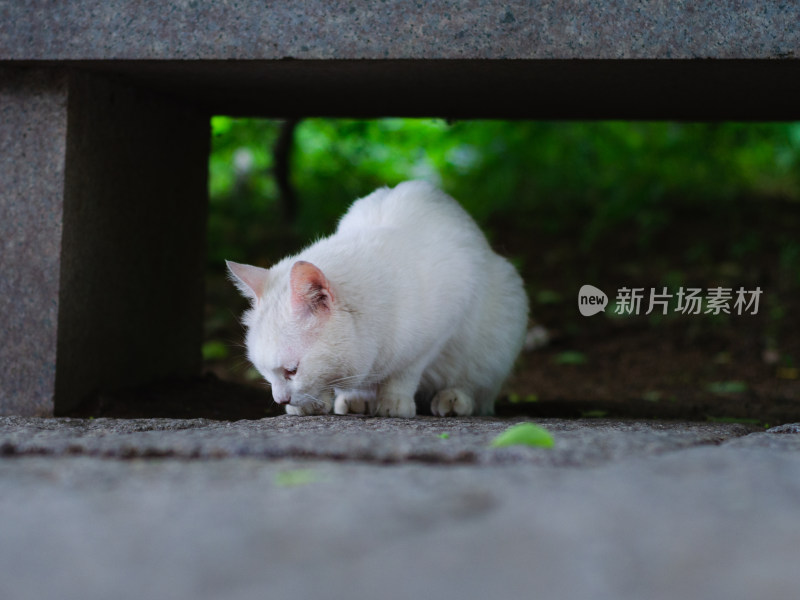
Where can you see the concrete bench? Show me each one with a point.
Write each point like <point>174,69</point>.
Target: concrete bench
<point>104,126</point>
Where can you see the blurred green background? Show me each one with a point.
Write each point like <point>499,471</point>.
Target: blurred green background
<point>646,204</point>
<point>604,174</point>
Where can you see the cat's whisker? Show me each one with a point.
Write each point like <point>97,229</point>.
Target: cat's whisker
<point>241,365</point>
<point>368,378</point>
<point>239,320</point>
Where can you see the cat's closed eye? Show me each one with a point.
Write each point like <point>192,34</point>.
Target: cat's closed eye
<point>289,373</point>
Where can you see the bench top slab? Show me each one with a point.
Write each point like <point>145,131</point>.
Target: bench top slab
<point>374,29</point>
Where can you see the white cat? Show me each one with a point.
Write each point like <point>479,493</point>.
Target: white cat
<point>406,298</point>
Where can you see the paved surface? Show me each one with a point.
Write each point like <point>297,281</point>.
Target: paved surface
<point>386,508</point>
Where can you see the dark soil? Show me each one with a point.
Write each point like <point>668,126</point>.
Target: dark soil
<point>700,367</point>
<point>695,367</point>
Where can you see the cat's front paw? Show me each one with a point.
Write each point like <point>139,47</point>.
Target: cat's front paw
<point>395,406</point>
<point>318,407</point>
<point>305,411</point>
<point>452,402</point>
<point>352,403</point>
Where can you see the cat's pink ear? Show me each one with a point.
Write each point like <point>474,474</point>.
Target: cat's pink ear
<point>311,290</point>
<point>250,280</point>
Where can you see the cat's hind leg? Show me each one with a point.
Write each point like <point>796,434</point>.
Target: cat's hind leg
<point>452,402</point>
<point>353,402</point>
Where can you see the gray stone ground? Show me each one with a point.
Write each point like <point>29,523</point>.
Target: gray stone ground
<point>340,507</point>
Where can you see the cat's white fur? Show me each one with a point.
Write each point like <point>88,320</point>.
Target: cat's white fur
<point>405,298</point>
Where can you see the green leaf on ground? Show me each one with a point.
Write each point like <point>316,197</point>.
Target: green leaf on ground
<point>296,477</point>
<point>651,396</point>
<point>444,435</point>
<point>523,434</point>
<point>570,357</point>
<point>727,387</point>
<point>516,398</point>
<point>594,414</point>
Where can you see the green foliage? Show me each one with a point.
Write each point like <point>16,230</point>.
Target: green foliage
<point>242,192</point>
<point>215,350</point>
<point>603,174</point>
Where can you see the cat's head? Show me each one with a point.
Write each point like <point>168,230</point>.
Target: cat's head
<point>299,332</point>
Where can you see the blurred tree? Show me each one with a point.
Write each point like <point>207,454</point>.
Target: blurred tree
<point>283,168</point>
